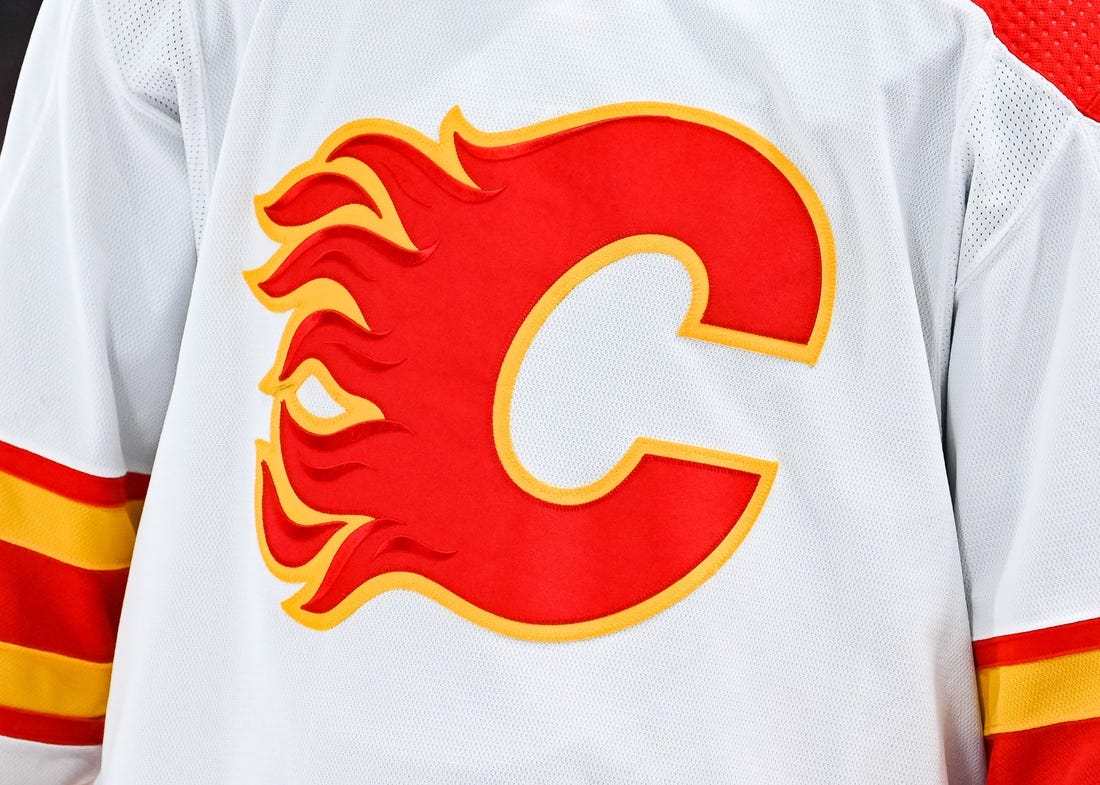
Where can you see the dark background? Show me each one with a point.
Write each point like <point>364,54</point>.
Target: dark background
<point>16,21</point>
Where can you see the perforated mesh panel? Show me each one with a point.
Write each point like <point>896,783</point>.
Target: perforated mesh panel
<point>147,36</point>
<point>1023,410</point>
<point>1058,38</point>
<point>838,630</point>
<point>1013,130</point>
<point>157,52</point>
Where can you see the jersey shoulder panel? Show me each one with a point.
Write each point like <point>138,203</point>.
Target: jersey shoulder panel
<point>1060,39</point>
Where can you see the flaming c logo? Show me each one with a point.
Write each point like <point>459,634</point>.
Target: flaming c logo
<point>418,273</point>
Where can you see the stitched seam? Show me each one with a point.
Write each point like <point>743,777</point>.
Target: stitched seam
<point>986,256</point>
<point>202,135</point>
<point>1034,74</point>
<point>1093,152</point>
<point>990,60</point>
<point>1041,623</point>
<point>117,75</point>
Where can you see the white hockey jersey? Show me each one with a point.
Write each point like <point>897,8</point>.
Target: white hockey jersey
<point>556,392</point>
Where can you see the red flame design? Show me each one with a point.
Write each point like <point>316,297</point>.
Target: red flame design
<point>442,317</point>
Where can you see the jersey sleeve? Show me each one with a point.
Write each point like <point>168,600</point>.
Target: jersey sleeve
<point>1023,428</point>
<point>97,255</point>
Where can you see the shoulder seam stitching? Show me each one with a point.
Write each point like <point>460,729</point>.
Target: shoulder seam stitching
<point>985,256</point>
<point>1035,73</point>
<point>119,77</point>
<point>989,63</point>
<point>1093,152</point>
<point>994,50</point>
<point>187,9</point>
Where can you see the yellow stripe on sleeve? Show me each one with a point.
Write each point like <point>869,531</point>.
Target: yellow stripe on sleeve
<point>83,535</point>
<point>1045,692</point>
<point>48,683</point>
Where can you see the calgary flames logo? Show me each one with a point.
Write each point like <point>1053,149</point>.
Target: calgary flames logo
<point>417,274</point>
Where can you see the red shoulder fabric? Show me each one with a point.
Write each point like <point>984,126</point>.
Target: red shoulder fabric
<point>1058,38</point>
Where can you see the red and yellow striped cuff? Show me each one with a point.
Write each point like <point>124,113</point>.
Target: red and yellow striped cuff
<point>1040,693</point>
<point>66,538</point>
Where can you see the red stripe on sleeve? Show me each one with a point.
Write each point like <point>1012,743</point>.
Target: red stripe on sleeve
<point>51,606</point>
<point>70,483</point>
<point>50,729</point>
<point>1064,754</point>
<point>135,486</point>
<point>1038,644</point>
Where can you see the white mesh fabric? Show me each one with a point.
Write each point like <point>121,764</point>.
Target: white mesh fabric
<point>96,258</point>
<point>23,762</point>
<point>148,40</point>
<point>1024,425</point>
<point>811,640</point>
<point>96,230</point>
<point>833,647</point>
<point>156,47</point>
<point>1015,128</point>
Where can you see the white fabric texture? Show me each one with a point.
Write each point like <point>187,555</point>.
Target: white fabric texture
<point>1022,412</point>
<point>835,644</point>
<point>95,215</point>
